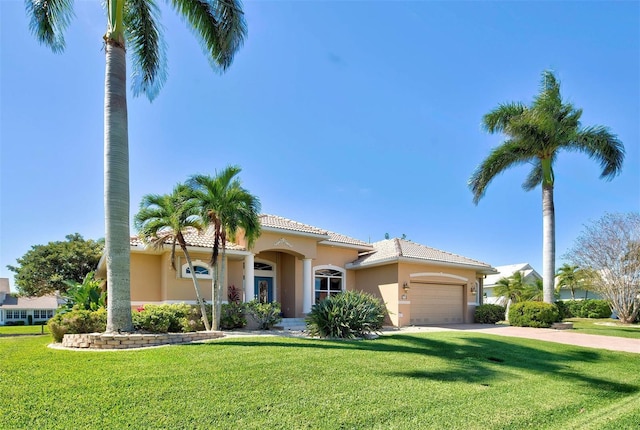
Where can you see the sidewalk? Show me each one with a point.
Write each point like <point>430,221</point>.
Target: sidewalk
<point>567,337</point>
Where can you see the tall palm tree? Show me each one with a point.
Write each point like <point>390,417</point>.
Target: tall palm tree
<point>134,24</point>
<point>167,217</point>
<point>227,209</point>
<point>535,135</point>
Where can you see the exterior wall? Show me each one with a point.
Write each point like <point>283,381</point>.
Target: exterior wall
<point>235,277</point>
<point>291,244</point>
<point>288,286</point>
<point>382,282</point>
<point>146,277</point>
<point>469,297</point>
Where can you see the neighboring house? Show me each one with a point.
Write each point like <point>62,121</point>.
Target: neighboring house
<point>25,310</point>
<point>529,275</point>
<point>297,265</point>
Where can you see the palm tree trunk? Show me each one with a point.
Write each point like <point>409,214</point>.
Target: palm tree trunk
<point>116,190</point>
<point>203,308</point>
<point>214,299</point>
<point>223,269</point>
<point>548,243</point>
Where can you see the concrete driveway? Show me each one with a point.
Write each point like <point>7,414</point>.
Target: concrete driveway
<point>567,337</point>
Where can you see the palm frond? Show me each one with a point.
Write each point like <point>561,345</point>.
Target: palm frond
<point>534,178</point>
<point>219,24</point>
<point>146,43</point>
<point>498,120</point>
<point>49,20</point>
<point>603,146</point>
<point>510,153</point>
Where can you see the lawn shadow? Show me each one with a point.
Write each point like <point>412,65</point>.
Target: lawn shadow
<point>472,358</point>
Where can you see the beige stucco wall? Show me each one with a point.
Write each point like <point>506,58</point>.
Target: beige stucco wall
<point>145,277</point>
<point>300,245</point>
<point>382,282</point>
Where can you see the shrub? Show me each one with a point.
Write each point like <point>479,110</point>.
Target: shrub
<point>590,308</point>
<point>233,316</point>
<point>563,310</point>
<point>266,315</point>
<point>77,321</point>
<point>347,315</point>
<point>175,318</point>
<point>533,314</point>
<point>489,314</point>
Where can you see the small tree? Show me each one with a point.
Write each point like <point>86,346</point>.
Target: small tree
<point>45,268</point>
<point>609,250</point>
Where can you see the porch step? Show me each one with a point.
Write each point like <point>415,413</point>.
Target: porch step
<point>294,324</point>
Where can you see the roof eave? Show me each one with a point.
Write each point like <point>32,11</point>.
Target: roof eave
<point>347,245</point>
<point>295,232</point>
<point>485,270</point>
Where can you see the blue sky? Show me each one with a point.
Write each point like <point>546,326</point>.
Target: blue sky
<point>361,117</point>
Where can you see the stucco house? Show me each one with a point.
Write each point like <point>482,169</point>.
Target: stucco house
<point>297,265</point>
<point>25,310</point>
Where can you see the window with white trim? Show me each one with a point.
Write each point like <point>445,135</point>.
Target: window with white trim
<point>201,269</point>
<point>329,281</point>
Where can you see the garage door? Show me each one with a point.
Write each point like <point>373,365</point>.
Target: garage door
<point>436,304</point>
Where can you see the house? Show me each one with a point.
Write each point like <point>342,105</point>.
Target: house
<point>16,310</point>
<point>298,265</point>
<point>529,276</point>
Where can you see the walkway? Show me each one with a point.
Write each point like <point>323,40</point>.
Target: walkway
<point>567,337</point>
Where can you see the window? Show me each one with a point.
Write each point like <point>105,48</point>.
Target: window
<point>36,314</point>
<point>23,314</point>
<point>262,266</point>
<point>9,314</point>
<point>328,282</point>
<point>200,268</point>
<point>49,313</point>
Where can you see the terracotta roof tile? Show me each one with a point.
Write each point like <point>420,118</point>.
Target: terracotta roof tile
<point>392,249</point>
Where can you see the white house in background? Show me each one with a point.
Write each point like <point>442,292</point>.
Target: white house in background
<point>529,275</point>
<point>31,310</point>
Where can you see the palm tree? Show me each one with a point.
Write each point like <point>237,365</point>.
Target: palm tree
<point>535,135</point>
<point>534,292</point>
<point>227,209</point>
<point>167,217</point>
<point>220,26</point>
<point>570,277</point>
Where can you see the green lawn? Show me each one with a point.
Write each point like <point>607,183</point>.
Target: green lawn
<point>444,380</point>
<point>605,327</point>
<point>20,330</point>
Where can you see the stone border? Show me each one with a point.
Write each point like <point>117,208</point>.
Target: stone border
<point>134,340</point>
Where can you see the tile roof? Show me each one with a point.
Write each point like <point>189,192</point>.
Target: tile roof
<point>395,249</point>
<point>192,237</point>
<point>274,221</point>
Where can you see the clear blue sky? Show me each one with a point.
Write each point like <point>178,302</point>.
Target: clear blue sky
<point>361,117</point>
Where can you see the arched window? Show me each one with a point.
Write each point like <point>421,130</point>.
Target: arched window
<point>200,268</point>
<point>329,281</point>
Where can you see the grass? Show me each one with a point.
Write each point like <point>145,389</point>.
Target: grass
<point>605,327</point>
<point>444,380</point>
<point>23,330</point>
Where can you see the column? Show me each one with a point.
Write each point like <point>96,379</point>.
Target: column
<point>249,291</point>
<point>307,286</point>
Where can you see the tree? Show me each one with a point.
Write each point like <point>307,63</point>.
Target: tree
<point>87,295</point>
<point>535,135</point>
<point>534,292</point>
<point>609,251</point>
<point>227,209</point>
<point>165,218</point>
<point>570,277</point>
<point>45,268</point>
<point>510,288</point>
<point>219,24</point>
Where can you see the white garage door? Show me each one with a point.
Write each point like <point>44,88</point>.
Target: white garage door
<point>436,304</point>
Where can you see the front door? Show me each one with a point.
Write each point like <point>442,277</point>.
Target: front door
<point>263,289</point>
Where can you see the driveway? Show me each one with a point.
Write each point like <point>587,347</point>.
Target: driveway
<point>567,337</point>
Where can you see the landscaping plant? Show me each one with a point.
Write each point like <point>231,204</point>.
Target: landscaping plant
<point>266,315</point>
<point>348,315</point>
<point>489,314</point>
<point>533,314</point>
<point>175,318</point>
<point>77,321</point>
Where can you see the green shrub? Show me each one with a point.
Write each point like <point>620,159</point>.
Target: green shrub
<point>266,315</point>
<point>347,315</point>
<point>489,314</point>
<point>175,318</point>
<point>233,316</point>
<point>533,314</point>
<point>563,309</point>
<point>77,321</point>
<point>593,309</point>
